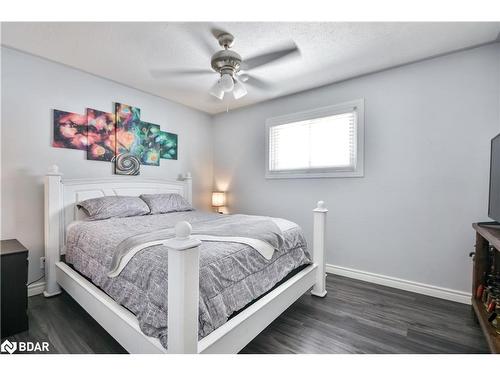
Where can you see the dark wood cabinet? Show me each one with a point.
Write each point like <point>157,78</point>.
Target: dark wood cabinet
<point>14,289</point>
<point>486,261</point>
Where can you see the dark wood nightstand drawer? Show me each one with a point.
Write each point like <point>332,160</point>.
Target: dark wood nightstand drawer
<point>14,289</point>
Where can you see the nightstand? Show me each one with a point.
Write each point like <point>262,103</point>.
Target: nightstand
<point>14,289</point>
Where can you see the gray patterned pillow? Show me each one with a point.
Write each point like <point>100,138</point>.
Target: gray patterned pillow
<point>164,203</point>
<point>113,206</point>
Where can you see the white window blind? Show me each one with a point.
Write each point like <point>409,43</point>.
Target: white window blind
<point>320,143</point>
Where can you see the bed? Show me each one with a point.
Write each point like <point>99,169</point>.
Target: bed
<point>186,293</point>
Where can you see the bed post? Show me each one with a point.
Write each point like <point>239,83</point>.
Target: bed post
<point>319,288</point>
<point>189,187</point>
<point>52,221</point>
<point>183,290</point>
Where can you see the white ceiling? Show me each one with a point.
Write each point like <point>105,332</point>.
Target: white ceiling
<point>329,52</point>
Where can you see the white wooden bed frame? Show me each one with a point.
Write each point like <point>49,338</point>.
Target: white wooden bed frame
<point>61,197</point>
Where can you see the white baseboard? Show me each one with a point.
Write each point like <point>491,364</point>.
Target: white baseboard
<point>393,282</point>
<point>36,288</point>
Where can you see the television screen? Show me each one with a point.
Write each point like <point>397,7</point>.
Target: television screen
<point>494,205</point>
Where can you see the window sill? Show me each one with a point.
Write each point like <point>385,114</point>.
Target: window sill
<point>332,174</point>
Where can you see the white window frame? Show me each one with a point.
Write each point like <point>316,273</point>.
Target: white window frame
<point>357,105</point>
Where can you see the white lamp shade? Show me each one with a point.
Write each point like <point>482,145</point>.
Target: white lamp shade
<point>226,82</point>
<point>218,199</point>
<point>239,90</point>
<point>217,91</point>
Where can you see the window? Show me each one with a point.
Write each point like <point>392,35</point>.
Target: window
<point>326,142</point>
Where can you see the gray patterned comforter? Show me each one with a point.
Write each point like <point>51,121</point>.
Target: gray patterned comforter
<point>231,274</point>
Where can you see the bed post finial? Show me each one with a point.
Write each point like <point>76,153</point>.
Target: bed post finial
<point>189,187</point>
<point>53,211</point>
<point>319,230</point>
<point>183,291</point>
<point>183,230</point>
<point>54,171</point>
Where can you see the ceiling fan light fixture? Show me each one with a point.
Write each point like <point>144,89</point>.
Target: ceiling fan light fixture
<point>239,90</point>
<point>217,91</point>
<point>226,82</point>
<point>231,68</point>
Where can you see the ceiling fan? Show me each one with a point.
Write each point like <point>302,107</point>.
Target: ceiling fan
<point>232,69</point>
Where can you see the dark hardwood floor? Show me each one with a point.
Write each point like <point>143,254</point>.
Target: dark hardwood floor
<point>355,317</point>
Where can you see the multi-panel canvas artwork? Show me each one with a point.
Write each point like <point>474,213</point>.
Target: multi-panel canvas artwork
<point>70,130</point>
<point>101,135</point>
<point>120,137</point>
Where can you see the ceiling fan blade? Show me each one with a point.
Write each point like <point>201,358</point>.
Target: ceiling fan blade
<point>208,47</point>
<point>243,77</point>
<point>257,82</point>
<point>266,58</point>
<point>166,73</point>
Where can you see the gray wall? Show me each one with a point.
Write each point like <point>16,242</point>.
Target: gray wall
<point>31,88</point>
<point>428,127</point>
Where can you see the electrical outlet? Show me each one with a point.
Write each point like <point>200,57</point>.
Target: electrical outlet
<point>42,263</point>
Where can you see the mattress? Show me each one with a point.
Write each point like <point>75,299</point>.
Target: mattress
<point>232,275</point>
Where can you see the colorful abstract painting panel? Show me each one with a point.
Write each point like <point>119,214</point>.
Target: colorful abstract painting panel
<point>128,121</point>
<point>127,164</point>
<point>148,149</point>
<point>168,145</point>
<point>70,130</point>
<point>101,135</point>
